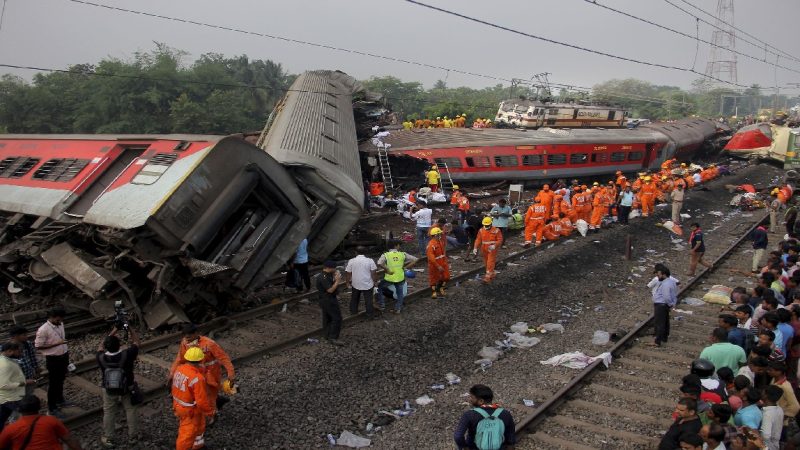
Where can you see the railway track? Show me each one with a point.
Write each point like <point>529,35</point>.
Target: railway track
<point>257,332</point>
<point>629,404</point>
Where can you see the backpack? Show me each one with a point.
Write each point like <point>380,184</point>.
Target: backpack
<point>115,382</point>
<point>490,433</point>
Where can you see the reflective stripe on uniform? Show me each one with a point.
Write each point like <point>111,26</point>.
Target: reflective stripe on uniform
<point>441,256</point>
<point>183,403</point>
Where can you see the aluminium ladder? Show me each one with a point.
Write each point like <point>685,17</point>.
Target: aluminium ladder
<point>386,170</point>
<point>445,180</point>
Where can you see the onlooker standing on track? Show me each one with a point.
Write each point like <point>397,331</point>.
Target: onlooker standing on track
<point>12,381</point>
<point>301,264</point>
<point>625,203</point>
<point>736,335</point>
<point>468,431</point>
<point>40,432</point>
<point>774,206</point>
<point>749,415</point>
<point>51,342</point>
<point>27,360</point>
<point>722,353</point>
<point>760,242</point>
<point>772,417</point>
<point>665,297</point>
<point>788,402</point>
<point>361,273</point>
<point>394,263</point>
<point>697,248</point>
<point>116,371</point>
<point>328,282</point>
<point>686,422</point>
<point>677,196</point>
<point>423,218</point>
<point>713,434</point>
<point>500,214</point>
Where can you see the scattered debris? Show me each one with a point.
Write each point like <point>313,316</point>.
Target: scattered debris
<point>348,439</point>
<point>424,400</point>
<point>551,327</point>
<point>692,301</point>
<point>452,378</point>
<point>577,360</point>
<point>683,311</point>
<point>528,403</point>
<point>601,338</point>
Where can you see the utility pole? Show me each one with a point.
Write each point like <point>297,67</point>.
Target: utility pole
<point>722,58</point>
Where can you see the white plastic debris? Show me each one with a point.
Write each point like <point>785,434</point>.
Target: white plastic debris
<point>601,338</point>
<point>520,327</point>
<point>348,439</point>
<point>692,301</point>
<point>285,307</point>
<point>683,311</point>
<point>528,403</point>
<point>582,227</point>
<point>490,353</point>
<point>424,400</point>
<point>520,341</point>
<point>452,378</point>
<point>716,213</point>
<point>576,360</point>
<point>550,327</point>
<point>685,216</point>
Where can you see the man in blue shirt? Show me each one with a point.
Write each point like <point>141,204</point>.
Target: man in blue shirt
<point>500,214</point>
<point>301,264</point>
<point>665,296</point>
<point>625,204</point>
<point>784,317</point>
<point>749,415</point>
<point>736,335</point>
<point>770,322</point>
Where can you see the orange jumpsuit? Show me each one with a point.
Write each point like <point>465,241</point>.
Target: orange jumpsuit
<point>191,405</point>
<point>455,197</point>
<point>568,211</point>
<point>463,204</point>
<point>552,231</point>
<point>545,197</point>
<point>599,209</point>
<point>215,357</point>
<point>566,226</point>
<point>621,182</point>
<point>534,222</point>
<point>667,165</point>
<point>689,181</point>
<point>581,206</point>
<point>648,194</point>
<point>678,181</point>
<point>426,123</point>
<point>489,241</point>
<point>705,175</point>
<point>438,267</point>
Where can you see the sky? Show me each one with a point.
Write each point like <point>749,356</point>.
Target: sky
<point>57,33</point>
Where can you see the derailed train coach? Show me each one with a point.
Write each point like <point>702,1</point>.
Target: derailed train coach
<point>177,227</point>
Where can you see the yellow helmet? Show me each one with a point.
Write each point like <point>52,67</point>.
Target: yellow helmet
<point>595,184</point>
<point>648,178</point>
<point>194,354</point>
<point>663,177</point>
<point>683,164</point>
<point>486,221</point>
<point>775,191</point>
<point>435,231</point>
<point>229,388</point>
<point>455,186</point>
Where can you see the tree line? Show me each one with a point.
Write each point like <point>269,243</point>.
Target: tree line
<point>157,92</point>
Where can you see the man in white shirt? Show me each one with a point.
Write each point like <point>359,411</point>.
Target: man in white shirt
<point>771,417</point>
<point>51,342</point>
<point>423,218</point>
<point>12,381</point>
<point>361,275</point>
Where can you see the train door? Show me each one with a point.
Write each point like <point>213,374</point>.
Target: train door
<point>649,154</point>
<point>123,160</point>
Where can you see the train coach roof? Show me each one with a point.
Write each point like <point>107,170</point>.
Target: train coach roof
<point>468,137</point>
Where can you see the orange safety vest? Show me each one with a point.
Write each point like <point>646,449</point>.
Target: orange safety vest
<point>463,203</point>
<point>189,391</point>
<point>215,358</point>
<point>536,211</point>
<point>454,199</point>
<point>485,238</point>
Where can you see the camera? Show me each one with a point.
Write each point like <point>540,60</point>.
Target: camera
<point>120,316</point>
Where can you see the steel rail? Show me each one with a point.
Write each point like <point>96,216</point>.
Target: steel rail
<point>532,420</point>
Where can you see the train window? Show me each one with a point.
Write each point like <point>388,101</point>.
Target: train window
<point>154,168</point>
<point>556,159</point>
<point>532,160</point>
<point>506,161</point>
<point>635,156</point>
<point>450,162</point>
<point>618,156</point>
<point>553,111</point>
<point>579,158</point>
<point>478,161</point>
<point>599,157</point>
<point>17,166</point>
<point>60,169</point>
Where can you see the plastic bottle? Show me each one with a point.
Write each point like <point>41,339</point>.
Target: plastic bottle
<point>312,341</point>
<point>370,427</point>
<point>331,440</point>
<point>406,405</point>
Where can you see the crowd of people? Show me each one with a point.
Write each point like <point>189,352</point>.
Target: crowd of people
<point>459,121</point>
<point>741,392</point>
<point>195,380</point>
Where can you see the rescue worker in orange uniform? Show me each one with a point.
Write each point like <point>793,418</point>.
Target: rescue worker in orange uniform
<point>214,359</point>
<point>648,195</point>
<point>545,197</point>
<point>426,123</point>
<point>488,241</point>
<point>580,204</point>
<point>534,223</point>
<point>689,181</point>
<point>438,267</point>
<point>567,225</point>
<point>667,165</point>
<point>600,206</point>
<point>564,207</point>
<point>621,180</point>
<point>463,207</point>
<point>190,400</point>
<point>677,180</point>
<point>552,231</point>
<point>454,198</point>
<point>637,183</point>
<point>418,123</point>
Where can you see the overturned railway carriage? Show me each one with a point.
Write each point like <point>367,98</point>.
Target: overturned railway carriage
<point>178,227</point>
<point>495,154</point>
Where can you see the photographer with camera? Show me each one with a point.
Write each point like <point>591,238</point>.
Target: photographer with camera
<point>116,367</point>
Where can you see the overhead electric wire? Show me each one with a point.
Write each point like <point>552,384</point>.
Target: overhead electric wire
<point>766,44</point>
<point>329,46</point>
<point>681,33</point>
<point>569,45</point>
<point>758,45</point>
